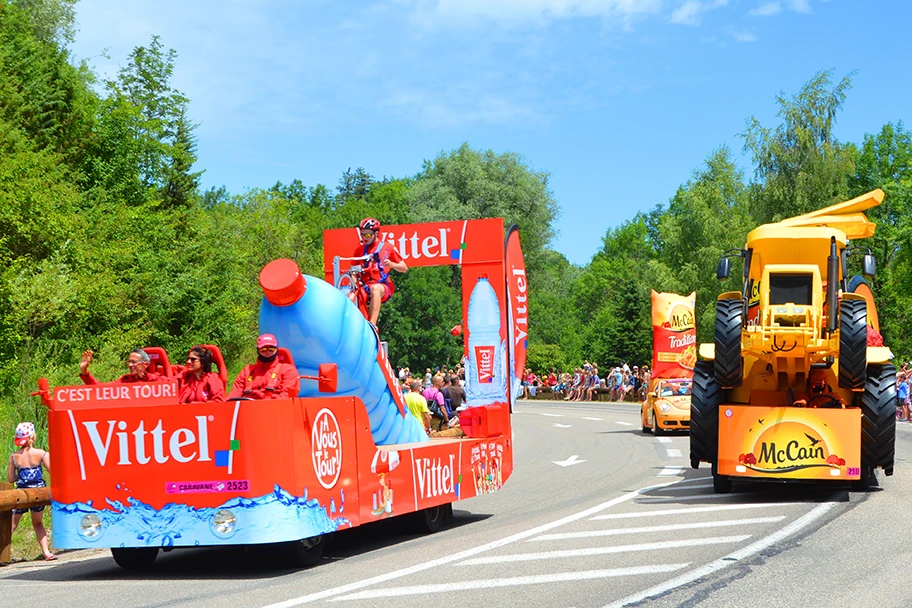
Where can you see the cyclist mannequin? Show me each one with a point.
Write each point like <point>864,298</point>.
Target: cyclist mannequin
<point>384,258</point>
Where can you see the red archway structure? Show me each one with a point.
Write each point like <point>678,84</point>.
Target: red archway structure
<point>481,250</point>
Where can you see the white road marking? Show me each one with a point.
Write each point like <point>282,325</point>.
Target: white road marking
<point>745,552</point>
<point>536,579</point>
<point>590,551</point>
<point>553,415</point>
<point>673,453</point>
<point>680,488</point>
<point>726,523</point>
<point>562,426</point>
<point>687,510</point>
<point>694,480</point>
<point>448,559</point>
<point>623,423</point>
<point>670,471</point>
<point>587,418</point>
<point>651,499</point>
<point>569,462</point>
<point>663,439</point>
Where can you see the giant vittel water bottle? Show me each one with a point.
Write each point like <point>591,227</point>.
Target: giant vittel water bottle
<point>318,324</point>
<point>485,376</point>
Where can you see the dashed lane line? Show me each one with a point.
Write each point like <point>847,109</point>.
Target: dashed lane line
<point>670,471</point>
<point>728,560</point>
<point>623,423</point>
<point>553,415</point>
<point>673,453</point>
<point>694,480</point>
<point>663,439</point>
<point>588,418</point>
<point>448,559</point>
<point>682,488</point>
<point>687,510</point>
<point>590,551</point>
<point>699,525</point>
<point>560,577</point>
<point>651,499</point>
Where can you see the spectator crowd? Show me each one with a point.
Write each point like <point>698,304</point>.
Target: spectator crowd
<point>435,399</point>
<point>623,383</point>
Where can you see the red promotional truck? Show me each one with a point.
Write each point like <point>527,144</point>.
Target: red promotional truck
<point>137,472</point>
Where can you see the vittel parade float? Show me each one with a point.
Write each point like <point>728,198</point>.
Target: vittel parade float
<point>798,384</point>
<point>136,471</point>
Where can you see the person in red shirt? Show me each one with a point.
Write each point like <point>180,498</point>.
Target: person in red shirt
<point>384,258</point>
<point>267,378</point>
<point>138,363</point>
<point>197,382</point>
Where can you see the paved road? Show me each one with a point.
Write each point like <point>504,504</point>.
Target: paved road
<point>596,514</point>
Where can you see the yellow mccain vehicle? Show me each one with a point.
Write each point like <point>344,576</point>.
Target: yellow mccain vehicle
<point>667,406</point>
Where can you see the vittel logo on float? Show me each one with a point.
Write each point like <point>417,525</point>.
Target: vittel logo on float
<point>520,308</point>
<point>436,477</point>
<point>484,356</point>
<point>133,445</point>
<point>326,442</point>
<point>415,246</point>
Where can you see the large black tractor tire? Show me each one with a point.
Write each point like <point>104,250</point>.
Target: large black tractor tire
<point>722,484</point>
<point>867,480</point>
<point>706,396</point>
<point>853,343</point>
<point>878,418</point>
<point>729,365</point>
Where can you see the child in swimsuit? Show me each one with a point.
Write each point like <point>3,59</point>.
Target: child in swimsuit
<point>25,470</point>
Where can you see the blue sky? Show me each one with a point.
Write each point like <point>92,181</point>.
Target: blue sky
<point>618,100</point>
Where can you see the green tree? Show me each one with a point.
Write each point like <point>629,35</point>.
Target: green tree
<point>468,184</point>
<point>800,165</point>
<point>164,135</point>
<point>354,184</point>
<point>41,94</point>
<point>181,183</point>
<point>707,216</point>
<point>53,21</point>
<point>885,161</point>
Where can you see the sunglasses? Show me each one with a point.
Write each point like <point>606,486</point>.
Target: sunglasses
<point>192,359</point>
<point>267,348</point>
<point>367,233</point>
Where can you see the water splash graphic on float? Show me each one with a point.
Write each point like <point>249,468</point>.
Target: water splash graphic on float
<point>274,517</point>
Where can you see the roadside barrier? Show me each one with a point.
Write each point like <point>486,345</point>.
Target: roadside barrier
<point>11,498</point>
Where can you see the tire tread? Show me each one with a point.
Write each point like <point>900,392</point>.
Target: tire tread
<point>853,343</point>
<point>729,364</point>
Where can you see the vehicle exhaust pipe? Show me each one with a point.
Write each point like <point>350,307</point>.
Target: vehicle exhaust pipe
<point>832,287</point>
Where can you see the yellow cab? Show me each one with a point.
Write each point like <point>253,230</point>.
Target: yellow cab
<point>667,406</point>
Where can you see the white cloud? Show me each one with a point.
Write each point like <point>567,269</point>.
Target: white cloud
<point>766,10</point>
<point>689,12</point>
<point>770,9</point>
<point>744,36</point>
<point>506,12</point>
<point>800,6</point>
<point>449,108</point>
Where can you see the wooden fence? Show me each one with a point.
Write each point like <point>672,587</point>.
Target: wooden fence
<point>11,498</point>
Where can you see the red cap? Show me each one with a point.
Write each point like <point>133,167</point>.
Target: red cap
<point>282,282</point>
<point>267,340</point>
<point>24,430</point>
